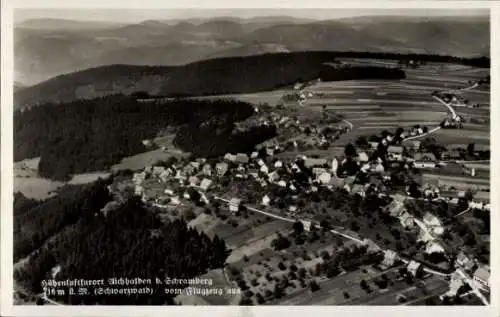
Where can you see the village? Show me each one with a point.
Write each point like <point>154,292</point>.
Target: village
<point>393,167</point>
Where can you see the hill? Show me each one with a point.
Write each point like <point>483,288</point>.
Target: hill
<point>128,241</point>
<point>209,77</point>
<point>176,42</point>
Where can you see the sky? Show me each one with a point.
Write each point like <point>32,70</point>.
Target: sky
<point>137,15</point>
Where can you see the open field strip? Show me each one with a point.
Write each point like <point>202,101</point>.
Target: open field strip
<point>477,135</point>
<point>447,178</point>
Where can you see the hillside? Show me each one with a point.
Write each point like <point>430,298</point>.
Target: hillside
<point>62,47</point>
<point>127,241</point>
<point>209,77</point>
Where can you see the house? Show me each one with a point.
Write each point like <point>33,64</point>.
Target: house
<point>365,168</point>
<point>406,219</point>
<point>264,169</point>
<point>241,158</point>
<point>358,189</point>
<point>427,156</point>
<point>371,246</point>
<point>186,195</point>
<point>335,165</point>
<point>482,277</point>
<point>431,221</point>
<point>312,162</point>
<point>395,152</point>
<point>373,145</point>
<point>396,208</point>
<point>221,168</point>
<point>416,145</point>
<point>433,247</point>
<point>273,177</point>
<point>318,171</point>
<point>195,164</point>
<point>464,261</point>
<point>451,155</point>
<point>266,200</point>
<point>363,157</point>
<point>324,178</point>
<point>230,157</point>
<point>175,201</point>
<point>194,181</point>
<point>378,168</point>
<point>292,187</point>
<point>424,164</point>
<point>278,164</point>
<point>206,170</point>
<point>390,258</point>
<point>292,208</point>
<point>413,267</point>
<point>307,225</point>
<point>169,191</point>
<point>282,183</point>
<point>270,151</point>
<point>254,155</point>
<point>234,204</point>
<point>205,184</point>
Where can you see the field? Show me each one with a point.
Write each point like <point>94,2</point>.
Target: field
<point>27,181</point>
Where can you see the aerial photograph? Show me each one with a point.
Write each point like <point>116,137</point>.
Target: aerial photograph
<point>251,157</point>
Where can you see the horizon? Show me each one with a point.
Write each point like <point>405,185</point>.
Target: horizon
<point>137,16</point>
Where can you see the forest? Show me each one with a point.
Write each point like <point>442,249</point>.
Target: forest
<point>208,77</point>
<point>130,241</point>
<point>35,222</point>
<point>92,135</point>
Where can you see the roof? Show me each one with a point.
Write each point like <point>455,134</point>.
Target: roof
<point>363,156</point>
<point>314,162</point>
<point>483,273</point>
<point>395,149</point>
<point>235,201</point>
<point>428,156</point>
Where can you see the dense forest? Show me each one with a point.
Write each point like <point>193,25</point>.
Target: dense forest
<point>92,135</point>
<point>209,77</point>
<point>35,222</point>
<point>216,140</point>
<point>128,242</point>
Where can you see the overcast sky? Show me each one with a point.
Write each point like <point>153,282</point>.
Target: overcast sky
<point>136,15</point>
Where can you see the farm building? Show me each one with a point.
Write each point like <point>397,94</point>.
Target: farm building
<point>234,204</point>
<point>373,145</point>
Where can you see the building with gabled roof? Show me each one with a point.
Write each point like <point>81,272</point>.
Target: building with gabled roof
<point>221,168</point>
<point>205,184</point>
<point>234,204</point>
